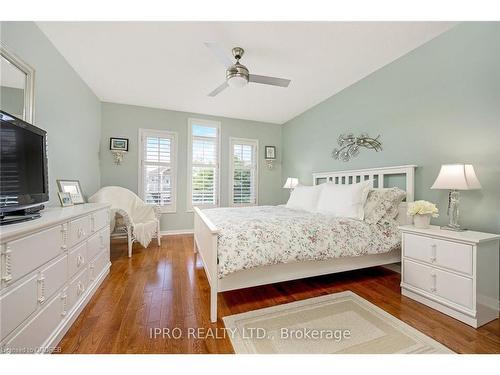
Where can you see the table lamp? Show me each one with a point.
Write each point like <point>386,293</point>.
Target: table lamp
<point>291,183</point>
<point>455,177</point>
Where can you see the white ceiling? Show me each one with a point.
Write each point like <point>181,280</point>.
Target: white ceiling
<point>166,65</point>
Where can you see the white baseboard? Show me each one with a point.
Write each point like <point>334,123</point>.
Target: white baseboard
<point>489,302</point>
<point>176,231</point>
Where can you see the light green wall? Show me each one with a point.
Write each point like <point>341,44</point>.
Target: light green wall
<point>12,100</point>
<point>124,121</point>
<point>64,106</point>
<point>438,104</point>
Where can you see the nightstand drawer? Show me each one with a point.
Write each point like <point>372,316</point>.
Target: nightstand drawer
<point>447,254</point>
<point>452,287</point>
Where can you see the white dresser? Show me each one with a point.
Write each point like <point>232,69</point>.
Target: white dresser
<point>456,273</point>
<point>50,268</point>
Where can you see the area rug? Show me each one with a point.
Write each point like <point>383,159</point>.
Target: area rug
<point>341,323</point>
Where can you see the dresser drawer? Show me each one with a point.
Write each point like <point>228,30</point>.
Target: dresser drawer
<point>98,264</point>
<point>446,254</point>
<point>77,259</point>
<point>17,304</point>
<point>76,289</point>
<point>22,256</point>
<point>98,242</point>
<point>99,220</point>
<point>53,277</point>
<point>79,230</point>
<point>447,285</point>
<point>34,334</point>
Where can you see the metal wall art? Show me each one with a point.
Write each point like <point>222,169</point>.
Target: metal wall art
<point>349,145</point>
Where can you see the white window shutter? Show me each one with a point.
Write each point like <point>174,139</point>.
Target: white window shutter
<point>204,165</point>
<point>244,172</point>
<point>158,168</point>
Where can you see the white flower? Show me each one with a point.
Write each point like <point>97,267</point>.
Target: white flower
<point>422,208</point>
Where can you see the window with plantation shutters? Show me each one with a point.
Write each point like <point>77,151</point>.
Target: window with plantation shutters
<point>204,163</point>
<point>243,172</point>
<point>157,177</point>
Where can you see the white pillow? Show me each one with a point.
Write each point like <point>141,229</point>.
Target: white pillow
<point>344,200</point>
<point>304,198</point>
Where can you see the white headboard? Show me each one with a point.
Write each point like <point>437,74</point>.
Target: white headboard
<point>377,176</point>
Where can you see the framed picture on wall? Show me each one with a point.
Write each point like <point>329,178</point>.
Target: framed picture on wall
<point>270,152</point>
<point>118,144</point>
<point>73,188</point>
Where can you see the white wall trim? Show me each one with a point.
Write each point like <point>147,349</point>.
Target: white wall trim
<point>174,232</point>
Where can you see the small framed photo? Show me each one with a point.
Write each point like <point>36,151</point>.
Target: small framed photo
<point>65,199</point>
<point>118,144</point>
<point>73,188</point>
<point>270,152</point>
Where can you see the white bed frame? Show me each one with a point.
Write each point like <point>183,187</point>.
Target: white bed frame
<point>206,233</point>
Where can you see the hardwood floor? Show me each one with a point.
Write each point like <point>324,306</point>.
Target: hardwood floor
<point>162,287</point>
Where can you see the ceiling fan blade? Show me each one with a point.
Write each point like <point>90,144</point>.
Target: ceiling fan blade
<point>221,55</point>
<point>219,89</point>
<point>269,80</point>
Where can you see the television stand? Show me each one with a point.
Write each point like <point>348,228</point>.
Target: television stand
<point>19,216</point>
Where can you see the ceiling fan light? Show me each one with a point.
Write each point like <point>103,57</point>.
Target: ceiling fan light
<point>237,81</point>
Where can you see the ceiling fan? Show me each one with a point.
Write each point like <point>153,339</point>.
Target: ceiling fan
<point>237,75</point>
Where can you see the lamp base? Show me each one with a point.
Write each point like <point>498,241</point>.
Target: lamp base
<point>453,228</point>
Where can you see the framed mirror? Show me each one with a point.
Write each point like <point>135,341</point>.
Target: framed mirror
<point>16,85</point>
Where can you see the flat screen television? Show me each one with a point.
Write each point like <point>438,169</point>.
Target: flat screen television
<point>23,169</point>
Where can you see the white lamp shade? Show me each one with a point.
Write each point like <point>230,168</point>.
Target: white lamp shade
<point>237,82</point>
<point>456,177</point>
<point>291,182</point>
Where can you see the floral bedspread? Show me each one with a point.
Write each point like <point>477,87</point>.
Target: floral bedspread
<point>263,235</point>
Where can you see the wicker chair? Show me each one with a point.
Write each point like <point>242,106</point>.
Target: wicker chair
<point>122,224</point>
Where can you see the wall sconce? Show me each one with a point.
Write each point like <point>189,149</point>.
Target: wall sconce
<point>270,156</point>
<point>118,156</point>
<point>118,147</point>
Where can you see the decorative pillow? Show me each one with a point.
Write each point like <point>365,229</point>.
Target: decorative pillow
<point>344,200</point>
<point>304,198</point>
<point>382,204</point>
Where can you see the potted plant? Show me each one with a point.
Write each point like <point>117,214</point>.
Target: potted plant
<point>422,211</point>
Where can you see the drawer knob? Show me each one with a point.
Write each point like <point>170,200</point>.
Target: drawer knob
<point>64,231</point>
<point>433,253</point>
<point>80,260</point>
<point>433,287</point>
<point>64,298</point>
<point>80,288</point>
<point>41,289</point>
<point>7,271</point>
<point>81,233</point>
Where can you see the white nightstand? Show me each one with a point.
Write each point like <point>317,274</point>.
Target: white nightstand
<point>453,272</point>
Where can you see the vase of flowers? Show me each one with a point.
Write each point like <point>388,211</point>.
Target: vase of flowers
<point>422,211</point>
